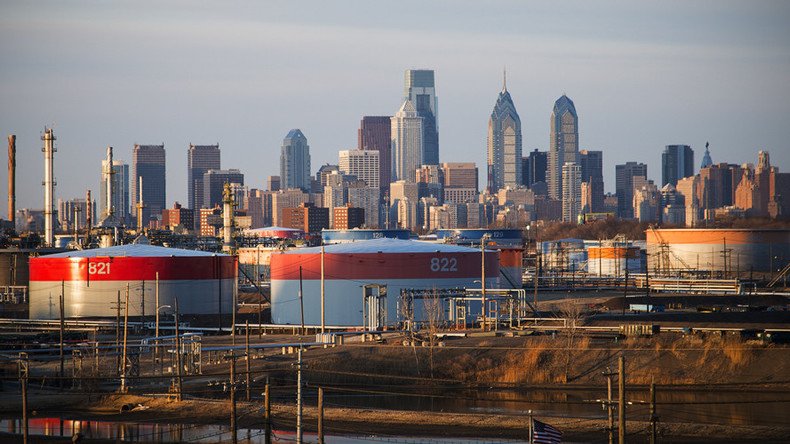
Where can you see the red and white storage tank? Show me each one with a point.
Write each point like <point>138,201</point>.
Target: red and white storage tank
<point>398,264</point>
<point>205,283</point>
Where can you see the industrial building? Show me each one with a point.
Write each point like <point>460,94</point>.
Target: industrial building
<point>392,263</point>
<point>92,280</point>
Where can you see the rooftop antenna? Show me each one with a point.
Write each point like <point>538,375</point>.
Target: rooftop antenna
<point>504,79</point>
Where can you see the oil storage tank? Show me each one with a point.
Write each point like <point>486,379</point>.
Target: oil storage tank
<point>205,283</point>
<point>394,263</point>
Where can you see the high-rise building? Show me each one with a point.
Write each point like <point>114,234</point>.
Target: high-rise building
<point>362,196</point>
<point>677,162</point>
<point>420,89</point>
<point>536,165</point>
<point>214,184</point>
<point>460,175</point>
<point>591,163</point>
<point>148,162</point>
<point>178,216</point>
<point>407,142</point>
<point>306,217</point>
<point>273,183</point>
<point>571,192</point>
<point>348,217</point>
<point>286,199</point>
<point>120,191</point>
<point>647,202</point>
<point>706,159</point>
<point>200,158</point>
<point>295,162</point>
<point>364,164</point>
<point>504,144</point>
<point>624,186</point>
<point>563,143</point>
<point>375,135</point>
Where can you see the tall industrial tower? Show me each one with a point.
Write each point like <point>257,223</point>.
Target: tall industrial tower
<point>420,89</point>
<point>563,143</point>
<point>49,186</point>
<point>504,144</point>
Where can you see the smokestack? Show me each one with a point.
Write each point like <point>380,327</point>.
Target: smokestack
<point>49,186</point>
<point>227,218</point>
<point>12,179</point>
<point>108,177</point>
<point>88,212</point>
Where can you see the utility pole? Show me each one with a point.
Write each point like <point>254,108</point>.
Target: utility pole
<point>267,412</point>
<point>142,306</point>
<point>483,279</point>
<point>247,355</point>
<point>647,274</point>
<point>320,415</point>
<point>625,287</point>
<point>178,356</point>
<point>233,432</point>
<point>323,312</point>
<point>23,377</point>
<point>621,400</point>
<point>125,336</point>
<point>156,303</point>
<point>301,302</point>
<point>537,268</point>
<point>117,332</point>
<point>62,328</point>
<point>609,403</point>
<point>299,398</point>
<point>653,416</point>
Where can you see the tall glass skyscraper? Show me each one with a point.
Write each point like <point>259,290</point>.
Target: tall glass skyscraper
<point>407,143</point>
<point>375,134</point>
<point>148,162</point>
<point>563,143</point>
<point>504,144</point>
<point>295,162</point>
<point>420,89</point>
<point>200,158</point>
<point>677,162</point>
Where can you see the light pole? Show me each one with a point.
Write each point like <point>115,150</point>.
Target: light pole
<point>483,241</point>
<point>157,317</point>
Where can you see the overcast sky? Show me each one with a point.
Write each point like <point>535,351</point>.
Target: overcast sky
<point>241,74</point>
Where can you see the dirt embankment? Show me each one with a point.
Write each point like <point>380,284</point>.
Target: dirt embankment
<point>546,360</point>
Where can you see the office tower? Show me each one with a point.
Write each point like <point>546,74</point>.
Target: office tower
<point>706,160</point>
<point>273,183</point>
<point>200,158</point>
<point>214,184</point>
<point>624,186</point>
<point>148,162</point>
<point>295,162</point>
<point>592,173</point>
<point>286,199</point>
<point>677,162</point>
<point>364,164</point>
<point>571,192</point>
<point>647,201</point>
<point>375,135</point>
<point>362,196</point>
<point>563,143</point>
<point>673,206</point>
<point>120,191</point>
<point>504,144</point>
<point>420,90</point>
<point>460,175</point>
<point>407,142</point>
<point>536,165</point>
<point>688,189</point>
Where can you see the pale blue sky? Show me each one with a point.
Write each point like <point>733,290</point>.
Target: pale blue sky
<point>642,75</point>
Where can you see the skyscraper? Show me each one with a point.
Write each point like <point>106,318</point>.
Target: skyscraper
<point>706,160</point>
<point>571,192</point>
<point>504,144</point>
<point>624,186</point>
<point>591,163</point>
<point>420,89</point>
<point>148,162</point>
<point>537,163</point>
<point>407,142</point>
<point>120,191</point>
<point>214,184</point>
<point>200,158</point>
<point>375,134</point>
<point>677,162</point>
<point>563,143</point>
<point>295,162</point>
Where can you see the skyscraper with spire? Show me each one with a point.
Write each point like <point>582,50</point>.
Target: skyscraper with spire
<point>563,143</point>
<point>407,142</point>
<point>504,143</point>
<point>420,89</point>
<point>295,161</point>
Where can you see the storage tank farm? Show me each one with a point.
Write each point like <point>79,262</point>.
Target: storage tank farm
<point>397,264</point>
<point>508,241</point>
<point>205,283</point>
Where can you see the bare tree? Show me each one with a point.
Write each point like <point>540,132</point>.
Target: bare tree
<point>571,310</point>
<point>433,318</point>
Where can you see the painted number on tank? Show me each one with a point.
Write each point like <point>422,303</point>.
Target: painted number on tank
<point>444,264</point>
<point>99,268</point>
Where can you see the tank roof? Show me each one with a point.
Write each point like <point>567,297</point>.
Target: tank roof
<point>385,245</point>
<point>134,250</point>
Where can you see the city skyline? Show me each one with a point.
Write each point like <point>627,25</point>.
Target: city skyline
<point>703,82</point>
